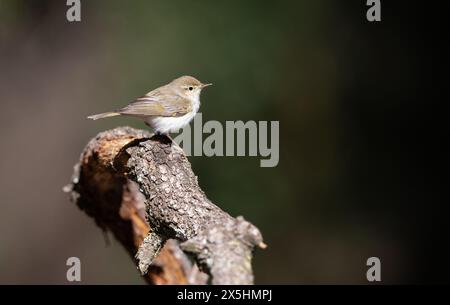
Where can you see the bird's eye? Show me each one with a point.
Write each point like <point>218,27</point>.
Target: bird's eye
<point>191,88</point>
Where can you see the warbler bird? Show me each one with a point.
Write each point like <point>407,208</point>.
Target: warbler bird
<point>165,109</point>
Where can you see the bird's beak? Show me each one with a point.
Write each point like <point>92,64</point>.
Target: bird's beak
<point>205,85</point>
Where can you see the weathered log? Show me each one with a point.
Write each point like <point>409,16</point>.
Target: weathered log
<point>142,189</point>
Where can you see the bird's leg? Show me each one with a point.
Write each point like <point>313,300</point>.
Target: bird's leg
<point>168,135</point>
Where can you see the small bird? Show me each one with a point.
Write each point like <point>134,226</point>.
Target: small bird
<point>167,108</point>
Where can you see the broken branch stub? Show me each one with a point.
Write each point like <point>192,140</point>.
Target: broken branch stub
<point>172,202</point>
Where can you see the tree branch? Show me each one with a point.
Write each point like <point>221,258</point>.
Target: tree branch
<point>143,190</point>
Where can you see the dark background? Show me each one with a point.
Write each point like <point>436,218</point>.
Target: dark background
<point>355,101</point>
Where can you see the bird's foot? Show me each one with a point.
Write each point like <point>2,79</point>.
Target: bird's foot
<point>163,136</point>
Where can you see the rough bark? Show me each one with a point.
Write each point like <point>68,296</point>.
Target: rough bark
<point>143,190</point>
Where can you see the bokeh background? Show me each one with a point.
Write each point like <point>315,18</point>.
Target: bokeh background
<point>348,95</point>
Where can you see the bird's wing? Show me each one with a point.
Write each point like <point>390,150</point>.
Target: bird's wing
<point>155,104</point>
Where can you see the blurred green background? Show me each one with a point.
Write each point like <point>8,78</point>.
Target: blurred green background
<point>343,89</point>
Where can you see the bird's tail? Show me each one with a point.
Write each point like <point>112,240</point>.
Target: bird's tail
<point>103,115</point>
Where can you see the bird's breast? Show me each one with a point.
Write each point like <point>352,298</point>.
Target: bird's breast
<point>170,124</point>
<point>173,124</point>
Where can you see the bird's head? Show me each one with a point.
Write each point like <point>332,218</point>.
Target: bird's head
<point>188,86</point>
